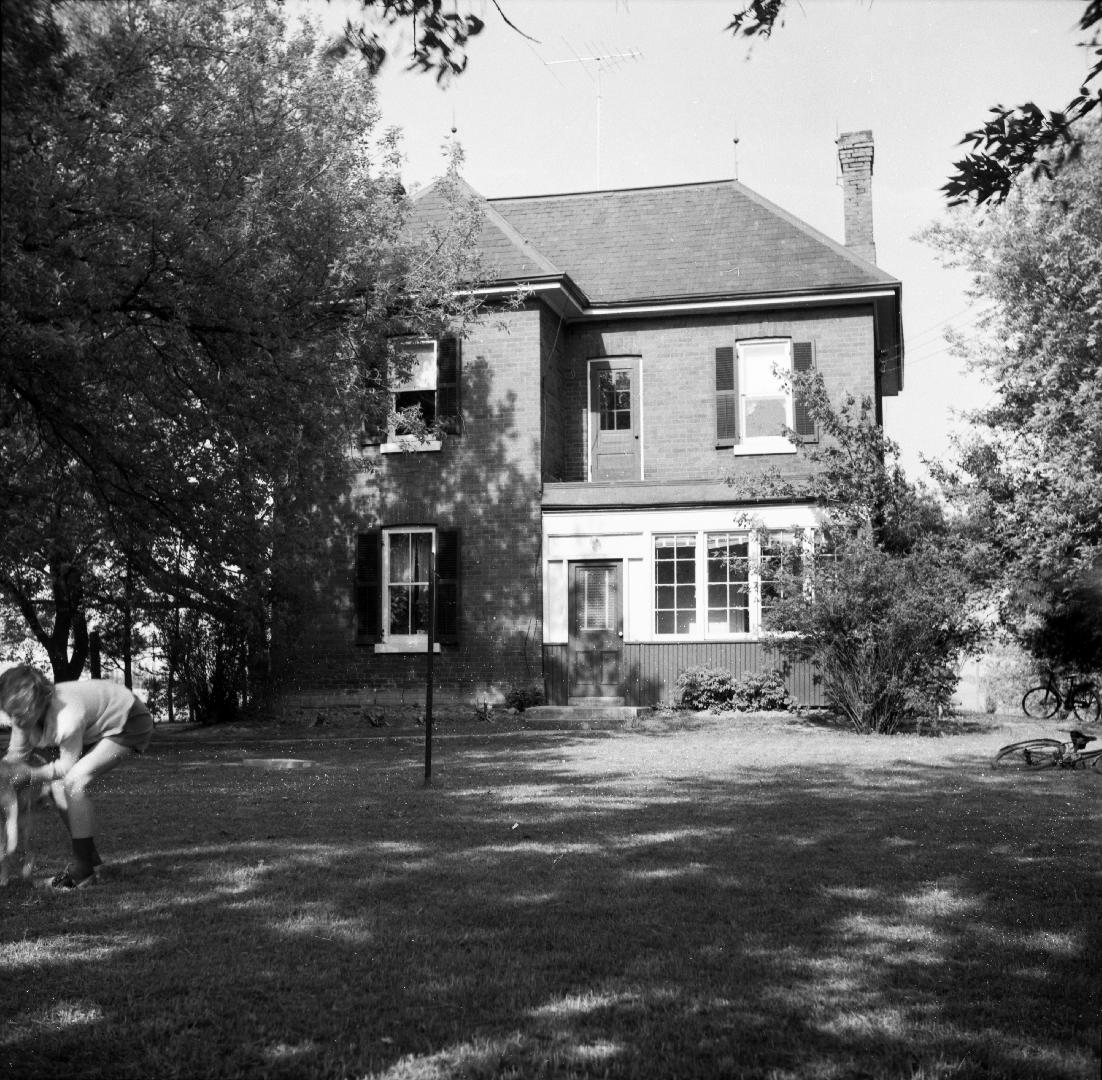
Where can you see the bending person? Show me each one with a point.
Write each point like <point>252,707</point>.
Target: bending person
<point>95,725</point>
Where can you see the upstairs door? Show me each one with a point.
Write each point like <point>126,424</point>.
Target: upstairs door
<point>596,629</point>
<point>614,449</point>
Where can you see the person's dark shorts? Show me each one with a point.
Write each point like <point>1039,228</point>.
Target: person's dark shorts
<point>137,731</point>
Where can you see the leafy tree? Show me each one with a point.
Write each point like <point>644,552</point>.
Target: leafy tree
<point>880,602</point>
<point>1016,141</point>
<point>1030,473</point>
<point>203,264</point>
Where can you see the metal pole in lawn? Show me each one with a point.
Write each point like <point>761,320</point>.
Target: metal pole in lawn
<point>428,662</point>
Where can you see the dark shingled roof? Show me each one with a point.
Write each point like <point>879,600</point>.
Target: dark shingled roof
<point>716,239</point>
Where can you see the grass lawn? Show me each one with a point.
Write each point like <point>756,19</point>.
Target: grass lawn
<point>752,897</point>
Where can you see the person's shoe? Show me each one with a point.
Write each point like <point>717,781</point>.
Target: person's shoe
<point>65,882</point>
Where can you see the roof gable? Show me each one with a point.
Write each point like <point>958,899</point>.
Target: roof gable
<point>506,255</point>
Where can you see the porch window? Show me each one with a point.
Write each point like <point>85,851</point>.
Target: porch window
<point>720,585</point>
<point>780,559</point>
<point>675,584</point>
<point>728,583</point>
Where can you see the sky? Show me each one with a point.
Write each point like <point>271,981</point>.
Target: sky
<point>535,115</point>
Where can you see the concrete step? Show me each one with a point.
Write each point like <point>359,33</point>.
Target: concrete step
<point>581,716</point>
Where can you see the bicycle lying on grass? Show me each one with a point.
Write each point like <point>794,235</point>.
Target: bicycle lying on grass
<point>1080,698</point>
<point>1033,754</point>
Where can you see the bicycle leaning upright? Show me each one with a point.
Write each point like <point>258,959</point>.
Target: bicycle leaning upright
<point>1080,697</point>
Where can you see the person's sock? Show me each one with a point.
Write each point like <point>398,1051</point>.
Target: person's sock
<point>84,857</point>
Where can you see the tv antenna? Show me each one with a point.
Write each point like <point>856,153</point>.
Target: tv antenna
<point>604,60</point>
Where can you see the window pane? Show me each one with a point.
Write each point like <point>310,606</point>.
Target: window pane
<point>781,565</point>
<point>759,359</point>
<point>422,400</point>
<point>614,400</point>
<point>400,557</point>
<point>407,596</point>
<point>420,623</point>
<point>766,416</point>
<point>766,405</point>
<point>421,555</point>
<point>728,583</point>
<point>421,357</point>
<point>717,621</point>
<point>596,603</point>
<point>399,609</point>
<point>675,605</point>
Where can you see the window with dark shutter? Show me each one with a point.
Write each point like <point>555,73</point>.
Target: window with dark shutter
<point>447,586</point>
<point>803,360</point>
<point>726,397</point>
<point>368,586</point>
<point>447,386</point>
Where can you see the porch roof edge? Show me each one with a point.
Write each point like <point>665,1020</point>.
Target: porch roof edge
<point>654,495</point>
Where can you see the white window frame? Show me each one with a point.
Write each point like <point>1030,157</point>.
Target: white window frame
<point>750,355</point>
<point>401,643</point>
<point>700,629</point>
<point>423,376</point>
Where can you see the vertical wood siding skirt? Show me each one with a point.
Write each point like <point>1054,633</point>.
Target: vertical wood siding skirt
<point>651,669</point>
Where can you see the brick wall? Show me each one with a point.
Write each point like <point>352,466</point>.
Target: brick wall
<point>484,482</point>
<point>554,337</point>
<point>678,383</point>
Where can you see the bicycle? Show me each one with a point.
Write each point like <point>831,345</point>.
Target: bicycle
<point>1080,698</point>
<point>1034,754</point>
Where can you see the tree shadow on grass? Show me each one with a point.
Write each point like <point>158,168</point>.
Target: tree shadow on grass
<point>573,907</point>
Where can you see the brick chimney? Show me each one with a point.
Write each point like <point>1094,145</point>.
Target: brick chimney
<point>855,159</point>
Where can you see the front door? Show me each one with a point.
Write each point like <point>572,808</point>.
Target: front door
<point>596,629</point>
<point>614,419</point>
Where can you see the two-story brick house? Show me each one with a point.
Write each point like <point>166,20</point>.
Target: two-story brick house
<point>586,537</point>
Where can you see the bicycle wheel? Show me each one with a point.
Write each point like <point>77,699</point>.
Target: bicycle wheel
<point>1040,703</point>
<point>1083,701</point>
<point>1029,755</point>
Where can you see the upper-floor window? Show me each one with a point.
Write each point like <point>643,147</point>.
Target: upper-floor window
<point>755,400</point>
<point>416,393</point>
<point>765,402</point>
<point>424,397</point>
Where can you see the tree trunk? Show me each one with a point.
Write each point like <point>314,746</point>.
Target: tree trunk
<point>70,623</point>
